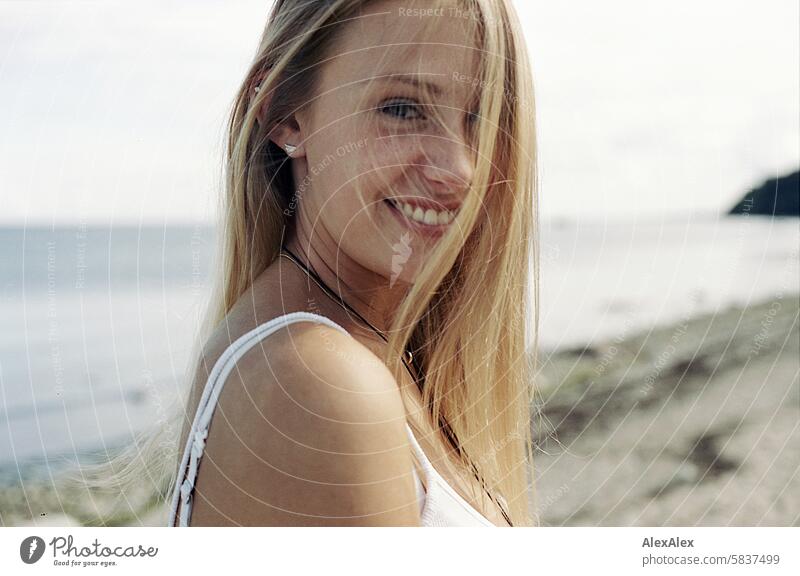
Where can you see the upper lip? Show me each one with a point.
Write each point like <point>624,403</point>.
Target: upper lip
<point>426,203</point>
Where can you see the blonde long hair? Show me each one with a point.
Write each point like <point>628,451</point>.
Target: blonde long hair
<point>467,312</point>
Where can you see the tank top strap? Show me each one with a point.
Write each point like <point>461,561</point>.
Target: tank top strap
<point>423,459</point>
<point>195,444</point>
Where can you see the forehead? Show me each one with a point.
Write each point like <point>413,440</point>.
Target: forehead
<point>435,43</point>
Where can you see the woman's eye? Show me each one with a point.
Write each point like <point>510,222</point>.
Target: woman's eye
<point>402,109</point>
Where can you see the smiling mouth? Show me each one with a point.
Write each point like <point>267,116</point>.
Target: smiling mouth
<point>423,216</point>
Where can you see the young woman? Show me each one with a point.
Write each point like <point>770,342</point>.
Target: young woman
<point>366,361</point>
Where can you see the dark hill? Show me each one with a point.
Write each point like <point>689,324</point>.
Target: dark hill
<point>775,197</point>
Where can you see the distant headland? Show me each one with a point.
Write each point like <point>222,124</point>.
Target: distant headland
<point>775,197</point>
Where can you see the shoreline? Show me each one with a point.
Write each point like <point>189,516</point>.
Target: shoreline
<point>694,424</point>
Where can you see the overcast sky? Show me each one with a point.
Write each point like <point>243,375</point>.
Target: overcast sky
<point>114,111</point>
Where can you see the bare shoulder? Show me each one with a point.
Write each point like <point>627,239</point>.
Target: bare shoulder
<point>309,430</point>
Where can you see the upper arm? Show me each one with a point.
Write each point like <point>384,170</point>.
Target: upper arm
<point>309,430</point>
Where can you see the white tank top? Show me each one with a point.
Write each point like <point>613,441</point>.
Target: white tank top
<point>441,505</point>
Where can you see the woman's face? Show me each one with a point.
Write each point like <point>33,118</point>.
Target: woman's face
<point>379,180</point>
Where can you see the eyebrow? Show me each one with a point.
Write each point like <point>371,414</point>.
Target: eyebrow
<point>410,79</point>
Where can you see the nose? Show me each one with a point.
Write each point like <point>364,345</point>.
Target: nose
<point>447,163</point>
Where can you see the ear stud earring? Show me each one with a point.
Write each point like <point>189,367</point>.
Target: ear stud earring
<point>256,89</point>
<point>290,149</point>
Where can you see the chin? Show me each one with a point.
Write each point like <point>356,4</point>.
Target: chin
<point>403,271</point>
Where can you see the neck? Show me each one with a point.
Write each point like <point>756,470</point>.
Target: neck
<point>365,291</point>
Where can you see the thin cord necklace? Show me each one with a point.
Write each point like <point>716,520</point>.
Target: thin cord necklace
<point>408,356</point>
<point>407,359</point>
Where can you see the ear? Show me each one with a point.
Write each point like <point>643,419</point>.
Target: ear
<point>254,91</point>
<point>285,134</point>
<point>288,136</point>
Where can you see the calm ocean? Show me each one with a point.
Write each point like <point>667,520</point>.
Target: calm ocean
<point>97,322</point>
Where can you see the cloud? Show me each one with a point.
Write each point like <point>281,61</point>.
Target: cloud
<point>117,109</point>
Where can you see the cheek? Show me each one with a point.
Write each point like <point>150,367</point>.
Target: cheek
<point>352,206</point>
<point>394,153</point>
<point>353,214</point>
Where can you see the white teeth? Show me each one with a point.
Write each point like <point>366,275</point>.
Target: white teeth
<point>430,216</point>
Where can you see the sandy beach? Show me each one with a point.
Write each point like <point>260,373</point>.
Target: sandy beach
<point>693,424</point>
<point>696,424</point>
